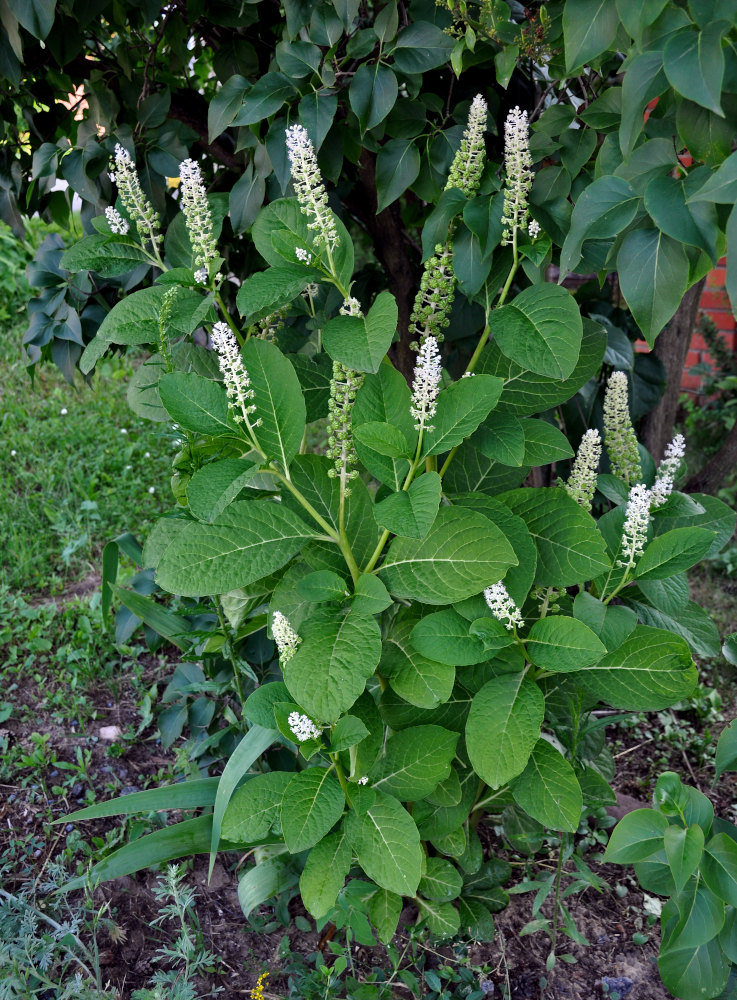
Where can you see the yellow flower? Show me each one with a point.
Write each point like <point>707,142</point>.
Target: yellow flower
<point>257,993</point>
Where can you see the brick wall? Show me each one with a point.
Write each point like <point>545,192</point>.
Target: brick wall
<point>714,302</point>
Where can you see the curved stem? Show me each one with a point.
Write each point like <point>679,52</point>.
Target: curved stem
<point>228,318</point>
<point>304,502</point>
<point>231,654</point>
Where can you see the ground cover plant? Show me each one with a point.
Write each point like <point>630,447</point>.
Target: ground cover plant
<point>389,643</point>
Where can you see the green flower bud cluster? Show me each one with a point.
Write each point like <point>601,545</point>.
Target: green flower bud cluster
<point>198,217</point>
<point>167,306</point>
<point>136,204</point>
<point>468,163</point>
<point>431,313</point>
<point>619,434</point>
<point>344,385</point>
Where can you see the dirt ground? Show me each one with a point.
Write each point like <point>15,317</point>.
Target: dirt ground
<point>608,920</point>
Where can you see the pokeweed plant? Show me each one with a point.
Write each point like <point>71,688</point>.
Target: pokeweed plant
<point>682,851</point>
<point>431,635</point>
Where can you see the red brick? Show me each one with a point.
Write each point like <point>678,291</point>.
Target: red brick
<point>641,347</point>
<point>692,358</point>
<point>722,262</point>
<point>698,343</point>
<point>716,278</point>
<point>714,299</point>
<point>690,383</point>
<point>722,319</point>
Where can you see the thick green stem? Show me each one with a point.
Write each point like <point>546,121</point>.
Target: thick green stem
<point>304,502</point>
<point>228,318</point>
<point>231,654</point>
<point>385,534</point>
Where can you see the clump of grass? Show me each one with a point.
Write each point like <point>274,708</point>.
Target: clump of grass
<point>78,469</point>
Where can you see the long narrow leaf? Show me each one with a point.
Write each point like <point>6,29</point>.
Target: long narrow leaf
<point>193,836</point>
<point>183,795</point>
<point>173,628</point>
<point>253,744</point>
<point>127,544</point>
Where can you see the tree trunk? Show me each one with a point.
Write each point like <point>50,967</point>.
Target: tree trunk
<point>716,470</point>
<point>671,347</point>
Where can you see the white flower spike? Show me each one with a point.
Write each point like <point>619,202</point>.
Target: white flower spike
<point>426,384</point>
<point>285,637</point>
<point>235,376</point>
<point>115,220</point>
<point>581,484</point>
<point>619,434</point>
<point>197,215</point>
<point>668,470</point>
<point>309,187</point>
<point>634,533</point>
<point>303,727</point>
<point>518,164</point>
<point>503,607</point>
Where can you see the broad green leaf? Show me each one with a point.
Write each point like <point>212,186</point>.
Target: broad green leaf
<point>518,579</point>
<point>643,81</point>
<point>414,762</point>
<point>248,541</point>
<point>278,399</point>
<point>726,756</point>
<point>264,98</point>
<point>561,644</point>
<point>460,409</point>
<point>673,552</point>
<point>721,186</point>
<point>503,727</point>
<point>386,439</point>
<point>314,375</point>
<point>569,548</point>
<point>541,330</point>
<point>683,849</point>
<point>461,554</point>
<point>442,881</point>
<point>665,200</point>
<point>312,803</point>
<point>316,112</point>
<point>421,46</point>
<point>652,669</point>
<point>397,167</point>
<point>411,513</point>
<point>213,487</point>
<point>172,627</point>
<point>387,844</point>
<point>385,908</point>
<point>719,867</point>
<point>716,515</point>
<point>337,655</point>
<point>265,880</point>
<point>135,320</point>
<point>544,443</point>
<point>384,397</point>
<point>653,275</point>
<point>501,438</point>
<point>492,634</point>
<point>525,393</point>
<point>588,29</point>
<point>106,255</point>
<point>324,873</point>
<point>471,265</point>
<point>548,789</point>
<point>707,136</point>
<point>36,16</point>
<point>361,342</point>
<point>475,919</point>
<point>194,794</point>
<point>637,836</point>
<point>692,917</point>
<point>694,972</point>
<point>142,394</point>
<point>196,402</point>
<point>322,585</point>
<point>266,291</point>
<point>690,622</point>
<point>445,636</point>
<point>669,596</point>
<point>310,475</point>
<point>254,807</point>
<point>372,94</point>
<point>604,208</point>
<point>419,680</point>
<point>370,596</point>
<point>259,706</point>
<point>443,919</point>
<point>248,750</point>
<point>729,648</point>
<point>694,64</point>
<point>347,733</point>
<point>225,105</point>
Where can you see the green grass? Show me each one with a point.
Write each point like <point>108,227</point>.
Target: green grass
<point>78,469</point>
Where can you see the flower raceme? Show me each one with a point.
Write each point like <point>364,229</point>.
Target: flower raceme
<point>502,606</point>
<point>136,203</point>
<point>285,637</point>
<point>581,484</point>
<point>619,434</point>
<point>468,163</point>
<point>235,376</point>
<point>303,727</point>
<point>668,470</point>
<point>198,218</point>
<point>518,164</point>
<point>634,532</point>
<point>426,384</point>
<point>115,220</point>
<point>310,189</point>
